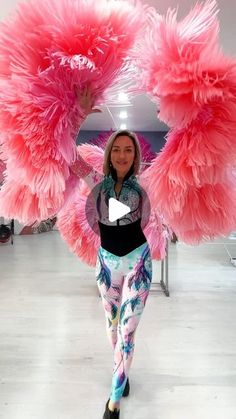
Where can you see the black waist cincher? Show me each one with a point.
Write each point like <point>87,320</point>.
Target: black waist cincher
<point>121,239</point>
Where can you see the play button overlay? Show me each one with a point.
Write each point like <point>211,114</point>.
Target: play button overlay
<point>100,207</point>
<point>117,210</point>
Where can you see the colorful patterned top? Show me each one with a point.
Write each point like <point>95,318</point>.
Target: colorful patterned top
<point>125,234</point>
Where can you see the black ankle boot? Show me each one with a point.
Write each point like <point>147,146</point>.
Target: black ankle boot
<point>126,389</point>
<point>108,414</point>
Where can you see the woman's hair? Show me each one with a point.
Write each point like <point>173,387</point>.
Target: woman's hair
<point>108,148</point>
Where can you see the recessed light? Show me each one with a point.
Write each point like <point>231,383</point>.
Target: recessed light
<point>123,115</point>
<point>123,126</point>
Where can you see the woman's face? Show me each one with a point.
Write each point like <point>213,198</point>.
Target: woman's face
<point>122,155</point>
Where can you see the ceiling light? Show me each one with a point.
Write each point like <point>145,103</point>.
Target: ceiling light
<point>123,126</point>
<point>123,115</point>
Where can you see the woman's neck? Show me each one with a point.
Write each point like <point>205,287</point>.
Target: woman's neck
<point>120,179</point>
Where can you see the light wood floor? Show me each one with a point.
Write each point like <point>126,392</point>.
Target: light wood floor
<point>55,360</point>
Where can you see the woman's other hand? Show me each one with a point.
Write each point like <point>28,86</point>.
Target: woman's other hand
<point>85,101</point>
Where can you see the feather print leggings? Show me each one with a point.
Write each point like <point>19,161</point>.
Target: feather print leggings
<point>124,283</point>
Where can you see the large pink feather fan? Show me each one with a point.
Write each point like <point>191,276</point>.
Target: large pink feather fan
<point>194,85</point>
<point>46,49</point>
<point>182,65</point>
<point>198,200</point>
<point>196,213</point>
<point>202,152</point>
<point>83,237</point>
<point>28,206</point>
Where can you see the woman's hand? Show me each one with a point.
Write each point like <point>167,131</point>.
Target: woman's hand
<point>85,100</point>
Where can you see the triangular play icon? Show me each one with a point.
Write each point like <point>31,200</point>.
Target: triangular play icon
<point>117,210</point>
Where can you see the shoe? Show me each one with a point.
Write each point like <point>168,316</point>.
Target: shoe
<point>126,389</point>
<point>108,414</point>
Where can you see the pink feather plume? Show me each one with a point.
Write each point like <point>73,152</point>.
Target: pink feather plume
<point>181,64</point>
<point>192,183</point>
<point>72,223</point>
<point>194,85</point>
<point>46,49</point>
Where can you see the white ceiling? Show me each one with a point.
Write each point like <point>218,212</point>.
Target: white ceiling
<point>142,113</point>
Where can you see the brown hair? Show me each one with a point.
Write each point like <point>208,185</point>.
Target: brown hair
<point>108,148</point>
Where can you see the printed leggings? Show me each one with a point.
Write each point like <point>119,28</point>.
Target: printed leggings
<point>124,283</point>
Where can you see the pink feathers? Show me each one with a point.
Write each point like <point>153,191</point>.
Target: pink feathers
<point>46,49</point>
<point>181,63</point>
<point>74,227</point>
<point>194,85</point>
<point>24,205</point>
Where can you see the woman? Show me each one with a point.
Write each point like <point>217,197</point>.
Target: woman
<point>124,267</point>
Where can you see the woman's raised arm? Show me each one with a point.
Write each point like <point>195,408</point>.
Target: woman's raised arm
<point>80,167</point>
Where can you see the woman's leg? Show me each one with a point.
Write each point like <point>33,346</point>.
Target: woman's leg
<point>109,280</point>
<point>136,286</point>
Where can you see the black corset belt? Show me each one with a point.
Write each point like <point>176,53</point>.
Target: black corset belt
<point>122,239</point>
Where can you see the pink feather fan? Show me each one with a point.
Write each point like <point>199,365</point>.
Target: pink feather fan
<point>194,85</point>
<point>72,222</point>
<point>46,49</point>
<point>81,237</point>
